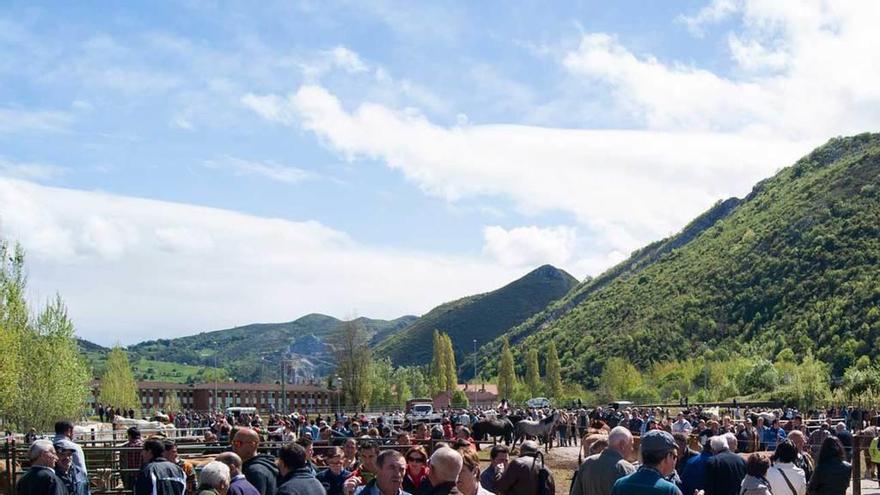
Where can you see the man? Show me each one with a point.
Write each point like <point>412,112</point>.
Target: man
<point>64,436</point>
<point>259,469</point>
<point>41,479</point>
<point>296,477</point>
<point>818,436</point>
<point>131,459</point>
<point>214,479</point>
<point>773,435</point>
<point>238,483</point>
<point>499,457</point>
<point>443,468</point>
<point>725,470</point>
<point>693,474</point>
<point>659,453</point>
<point>76,482</point>
<point>158,476</point>
<point>685,453</point>
<point>681,425</point>
<point>523,475</point>
<point>599,472</point>
<point>170,453</point>
<point>804,459</point>
<point>307,444</point>
<point>389,479</point>
<point>846,438</point>
<point>368,452</point>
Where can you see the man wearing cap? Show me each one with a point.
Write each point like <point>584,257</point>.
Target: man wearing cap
<point>659,453</point>
<point>76,482</point>
<point>522,475</point>
<point>41,479</point>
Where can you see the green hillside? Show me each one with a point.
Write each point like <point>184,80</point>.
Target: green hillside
<point>482,317</point>
<point>793,265</point>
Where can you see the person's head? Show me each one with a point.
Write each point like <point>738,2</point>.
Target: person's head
<point>133,433</point>
<point>798,439</point>
<point>350,448</point>
<point>291,457</point>
<point>718,443</point>
<point>232,460</point>
<point>840,427</point>
<point>785,452</point>
<point>757,465</point>
<point>659,451</point>
<point>529,447</point>
<point>621,440</point>
<point>170,450</point>
<point>367,453</point>
<point>306,444</point>
<point>681,440</point>
<point>831,449</point>
<point>403,438</point>
<point>500,454</point>
<point>390,468</point>
<point>469,478</point>
<point>65,457</point>
<point>416,459</point>
<point>797,422</point>
<point>463,433</point>
<point>64,428</point>
<point>335,459</point>
<point>444,466</point>
<point>760,421</point>
<point>245,443</point>
<point>42,453</point>
<point>215,475</point>
<point>731,441</point>
<point>153,449</point>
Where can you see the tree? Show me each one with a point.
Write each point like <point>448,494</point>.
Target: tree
<point>402,391</point>
<point>449,361</point>
<point>533,377</point>
<point>118,388</point>
<point>438,365</point>
<point>13,324</point>
<point>380,388</point>
<point>618,377</point>
<point>172,402</point>
<point>354,361</point>
<point>554,371</point>
<point>506,373</point>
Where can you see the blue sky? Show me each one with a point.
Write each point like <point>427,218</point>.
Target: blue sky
<point>380,158</point>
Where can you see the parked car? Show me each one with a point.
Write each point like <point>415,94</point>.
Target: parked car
<point>538,402</point>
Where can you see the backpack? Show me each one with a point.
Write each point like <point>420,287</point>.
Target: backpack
<point>546,483</point>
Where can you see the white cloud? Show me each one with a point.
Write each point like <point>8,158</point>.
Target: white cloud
<point>632,186</point>
<point>530,246</point>
<point>347,60</point>
<point>714,11</point>
<point>29,171</point>
<point>20,120</point>
<point>267,169</point>
<point>133,268</point>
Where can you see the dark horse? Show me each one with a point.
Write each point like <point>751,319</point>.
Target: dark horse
<point>498,427</point>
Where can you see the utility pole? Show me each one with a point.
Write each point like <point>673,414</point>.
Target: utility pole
<point>475,373</point>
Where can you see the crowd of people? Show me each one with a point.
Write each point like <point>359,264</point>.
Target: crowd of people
<point>688,450</point>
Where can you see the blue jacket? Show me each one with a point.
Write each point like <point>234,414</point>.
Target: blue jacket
<point>645,481</point>
<point>693,475</point>
<point>770,437</point>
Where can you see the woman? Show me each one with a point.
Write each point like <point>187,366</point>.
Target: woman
<point>469,477</point>
<point>755,482</point>
<point>335,475</point>
<point>416,469</point>
<point>833,473</point>
<point>785,477</point>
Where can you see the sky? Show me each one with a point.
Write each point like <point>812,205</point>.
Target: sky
<point>178,167</point>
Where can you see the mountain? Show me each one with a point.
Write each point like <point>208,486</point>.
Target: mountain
<point>795,264</point>
<point>253,352</point>
<point>482,317</point>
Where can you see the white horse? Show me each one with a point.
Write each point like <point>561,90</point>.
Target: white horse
<point>540,428</point>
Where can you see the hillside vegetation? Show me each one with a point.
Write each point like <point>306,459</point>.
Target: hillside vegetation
<point>793,265</point>
<point>482,317</point>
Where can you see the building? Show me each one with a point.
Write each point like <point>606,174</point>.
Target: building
<point>154,396</point>
<point>483,395</point>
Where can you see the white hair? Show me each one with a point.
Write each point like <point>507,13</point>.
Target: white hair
<point>446,464</point>
<point>731,441</point>
<point>214,474</point>
<point>619,434</point>
<point>718,443</point>
<point>38,447</point>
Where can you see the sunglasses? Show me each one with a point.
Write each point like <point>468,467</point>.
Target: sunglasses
<point>414,460</point>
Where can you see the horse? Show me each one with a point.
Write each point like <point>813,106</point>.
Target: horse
<point>500,427</point>
<point>537,429</point>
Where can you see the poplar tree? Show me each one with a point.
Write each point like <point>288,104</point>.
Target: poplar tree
<point>506,374</point>
<point>13,325</point>
<point>354,362</point>
<point>554,371</point>
<point>118,387</point>
<point>533,377</point>
<point>438,367</point>
<point>450,367</point>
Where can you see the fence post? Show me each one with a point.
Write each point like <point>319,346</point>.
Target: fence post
<point>857,465</point>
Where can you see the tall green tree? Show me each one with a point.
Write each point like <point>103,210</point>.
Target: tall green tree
<point>554,371</point>
<point>118,387</point>
<point>382,374</point>
<point>438,365</point>
<point>354,362</point>
<point>402,390</point>
<point>449,360</point>
<point>533,376</point>
<point>13,324</point>
<point>618,377</point>
<point>506,373</point>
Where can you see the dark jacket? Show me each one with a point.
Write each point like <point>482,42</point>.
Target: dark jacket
<point>76,482</point>
<point>262,472</point>
<point>831,477</point>
<point>40,480</point>
<point>241,486</point>
<point>693,475</point>
<point>447,488</point>
<point>521,477</point>
<point>160,477</point>
<point>724,473</point>
<point>333,482</point>
<point>300,482</point>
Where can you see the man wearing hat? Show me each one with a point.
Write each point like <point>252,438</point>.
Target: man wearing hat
<point>659,453</point>
<point>76,481</point>
<point>131,459</point>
